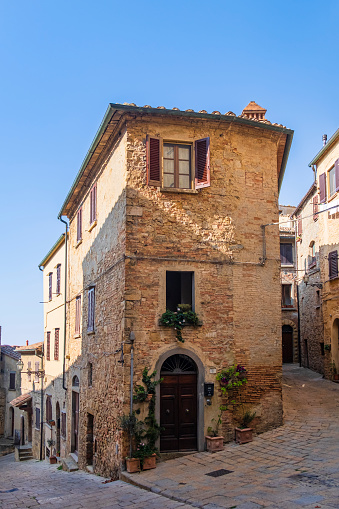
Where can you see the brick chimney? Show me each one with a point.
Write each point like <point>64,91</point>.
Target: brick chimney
<point>253,110</point>
<point>26,342</point>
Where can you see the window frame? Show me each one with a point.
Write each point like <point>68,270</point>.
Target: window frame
<point>12,381</point>
<point>49,410</point>
<point>287,243</point>
<point>192,291</point>
<point>48,346</point>
<point>331,175</point>
<point>50,288</point>
<point>77,325</point>
<point>37,418</point>
<point>93,205</point>
<point>91,310</point>
<point>79,225</point>
<point>176,146</point>
<point>58,281</point>
<point>56,343</point>
<point>291,300</point>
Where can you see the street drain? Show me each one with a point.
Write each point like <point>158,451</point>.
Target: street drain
<point>219,473</point>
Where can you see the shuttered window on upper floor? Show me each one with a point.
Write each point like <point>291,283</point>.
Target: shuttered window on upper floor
<point>58,281</point>
<point>170,165</point>
<point>79,225</point>
<point>93,204</point>
<point>333,264</point>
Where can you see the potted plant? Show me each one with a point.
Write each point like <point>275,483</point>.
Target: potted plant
<point>131,425</point>
<point>146,455</point>
<point>178,319</point>
<point>244,433</point>
<point>52,458</point>
<point>335,375</point>
<point>214,441</point>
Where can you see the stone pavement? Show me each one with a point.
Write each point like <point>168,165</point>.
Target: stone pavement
<point>38,484</point>
<point>295,466</point>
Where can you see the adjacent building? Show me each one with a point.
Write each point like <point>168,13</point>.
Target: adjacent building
<point>171,207</point>
<point>9,389</point>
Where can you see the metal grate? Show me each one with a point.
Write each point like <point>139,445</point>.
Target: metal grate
<point>179,363</point>
<point>219,473</point>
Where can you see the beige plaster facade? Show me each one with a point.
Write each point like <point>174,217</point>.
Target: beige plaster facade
<point>9,390</point>
<point>141,234</point>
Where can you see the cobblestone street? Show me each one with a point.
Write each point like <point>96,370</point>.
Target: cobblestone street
<point>295,466</point>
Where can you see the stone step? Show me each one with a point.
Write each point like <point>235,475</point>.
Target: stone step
<point>25,458</point>
<point>69,464</point>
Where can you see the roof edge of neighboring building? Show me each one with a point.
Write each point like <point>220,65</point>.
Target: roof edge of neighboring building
<point>113,108</point>
<point>305,198</point>
<point>53,249</point>
<point>30,348</point>
<point>323,151</point>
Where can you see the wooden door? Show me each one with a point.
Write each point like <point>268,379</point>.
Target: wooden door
<point>75,421</point>
<point>287,344</point>
<point>178,412</point>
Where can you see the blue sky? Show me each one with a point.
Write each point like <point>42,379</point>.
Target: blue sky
<point>63,62</point>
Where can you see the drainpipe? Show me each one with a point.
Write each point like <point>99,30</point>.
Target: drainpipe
<point>65,314</point>
<point>132,339</point>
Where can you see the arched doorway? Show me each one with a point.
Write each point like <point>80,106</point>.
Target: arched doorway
<point>57,415</point>
<point>178,404</point>
<point>287,344</point>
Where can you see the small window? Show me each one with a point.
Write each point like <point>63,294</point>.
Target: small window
<point>56,344</point>
<point>48,347</point>
<point>91,309</point>
<point>58,283</point>
<point>93,204</point>
<point>12,381</point>
<point>49,409</point>
<point>79,225</point>
<point>177,166</point>
<point>77,314</point>
<point>286,253</point>
<point>75,381</point>
<point>50,285</point>
<point>90,374</point>
<point>312,261</point>
<point>286,296</point>
<point>37,418</point>
<point>179,289</point>
<point>333,264</point>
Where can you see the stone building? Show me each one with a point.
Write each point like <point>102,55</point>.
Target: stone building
<point>319,233</point>
<point>54,402</point>
<point>168,208</point>
<point>289,297</point>
<point>9,389</point>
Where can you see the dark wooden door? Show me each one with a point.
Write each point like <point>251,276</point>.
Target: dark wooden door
<point>178,412</point>
<point>287,344</point>
<point>75,419</point>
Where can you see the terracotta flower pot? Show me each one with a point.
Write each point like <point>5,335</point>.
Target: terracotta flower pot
<point>132,465</point>
<point>53,460</point>
<point>150,462</point>
<point>214,444</point>
<point>243,435</point>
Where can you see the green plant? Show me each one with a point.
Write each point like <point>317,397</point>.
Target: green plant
<point>333,368</point>
<point>213,431</point>
<point>141,391</point>
<point>178,319</point>
<point>60,467</point>
<point>327,348</point>
<point>231,378</point>
<point>246,419</point>
<point>50,442</point>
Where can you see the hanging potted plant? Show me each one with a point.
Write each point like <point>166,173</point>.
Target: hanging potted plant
<point>178,319</point>
<point>244,433</point>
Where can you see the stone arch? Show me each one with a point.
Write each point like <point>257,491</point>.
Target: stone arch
<point>295,338</point>
<point>200,389</point>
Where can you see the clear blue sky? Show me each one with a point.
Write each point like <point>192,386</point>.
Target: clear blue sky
<point>62,62</point>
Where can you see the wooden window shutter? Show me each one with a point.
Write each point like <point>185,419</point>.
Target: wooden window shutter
<point>153,160</point>
<point>50,286</point>
<point>12,381</point>
<point>315,208</point>
<point>36,379</point>
<point>56,345</point>
<point>79,224</point>
<point>300,226</point>
<point>322,187</point>
<point>48,346</point>
<point>58,278</point>
<point>202,163</point>
<point>336,164</point>
<point>29,368</point>
<point>333,264</point>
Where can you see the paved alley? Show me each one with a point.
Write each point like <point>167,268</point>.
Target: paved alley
<point>294,466</point>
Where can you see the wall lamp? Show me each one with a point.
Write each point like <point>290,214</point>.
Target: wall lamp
<point>40,373</point>
<point>306,280</point>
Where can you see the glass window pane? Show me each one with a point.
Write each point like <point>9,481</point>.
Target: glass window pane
<point>184,167</point>
<point>169,151</point>
<point>184,153</point>
<point>169,165</point>
<point>168,180</point>
<point>332,181</point>
<point>184,182</point>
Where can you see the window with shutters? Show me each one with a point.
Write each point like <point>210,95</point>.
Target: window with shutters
<point>37,418</point>
<point>333,264</point>
<point>58,282</point>
<point>48,346</point>
<point>56,344</point>
<point>12,381</point>
<point>50,285</point>
<point>49,409</point>
<point>170,165</point>
<point>322,188</point>
<point>179,289</point>
<point>79,225</point>
<point>77,314</point>
<point>29,368</point>
<point>91,310</point>
<point>286,296</point>
<point>93,205</point>
<point>286,253</point>
<point>332,181</point>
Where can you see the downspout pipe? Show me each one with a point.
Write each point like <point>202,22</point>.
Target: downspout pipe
<point>132,339</point>
<point>65,311</point>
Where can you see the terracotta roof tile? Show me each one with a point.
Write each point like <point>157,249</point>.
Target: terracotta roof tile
<point>21,400</point>
<point>33,346</point>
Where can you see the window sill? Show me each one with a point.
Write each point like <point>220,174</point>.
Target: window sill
<point>90,332</point>
<point>287,265</point>
<point>78,243</point>
<point>12,389</point>
<point>176,190</point>
<point>331,198</point>
<point>288,308</point>
<point>93,225</point>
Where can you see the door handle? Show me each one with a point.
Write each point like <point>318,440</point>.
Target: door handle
<point>187,411</point>
<point>167,411</point>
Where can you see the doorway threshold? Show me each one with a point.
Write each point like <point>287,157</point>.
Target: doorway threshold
<point>164,456</point>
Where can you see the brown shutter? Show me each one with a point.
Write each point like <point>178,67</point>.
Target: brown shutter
<point>333,264</point>
<point>29,368</point>
<point>153,161</point>
<point>12,381</point>
<point>58,278</point>
<point>315,208</point>
<point>56,345</point>
<point>48,346</point>
<point>322,187</point>
<point>50,286</point>
<point>202,163</point>
<point>300,226</point>
<point>336,164</point>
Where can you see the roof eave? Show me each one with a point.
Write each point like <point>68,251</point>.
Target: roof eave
<point>288,144</point>
<point>323,151</point>
<point>53,249</point>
